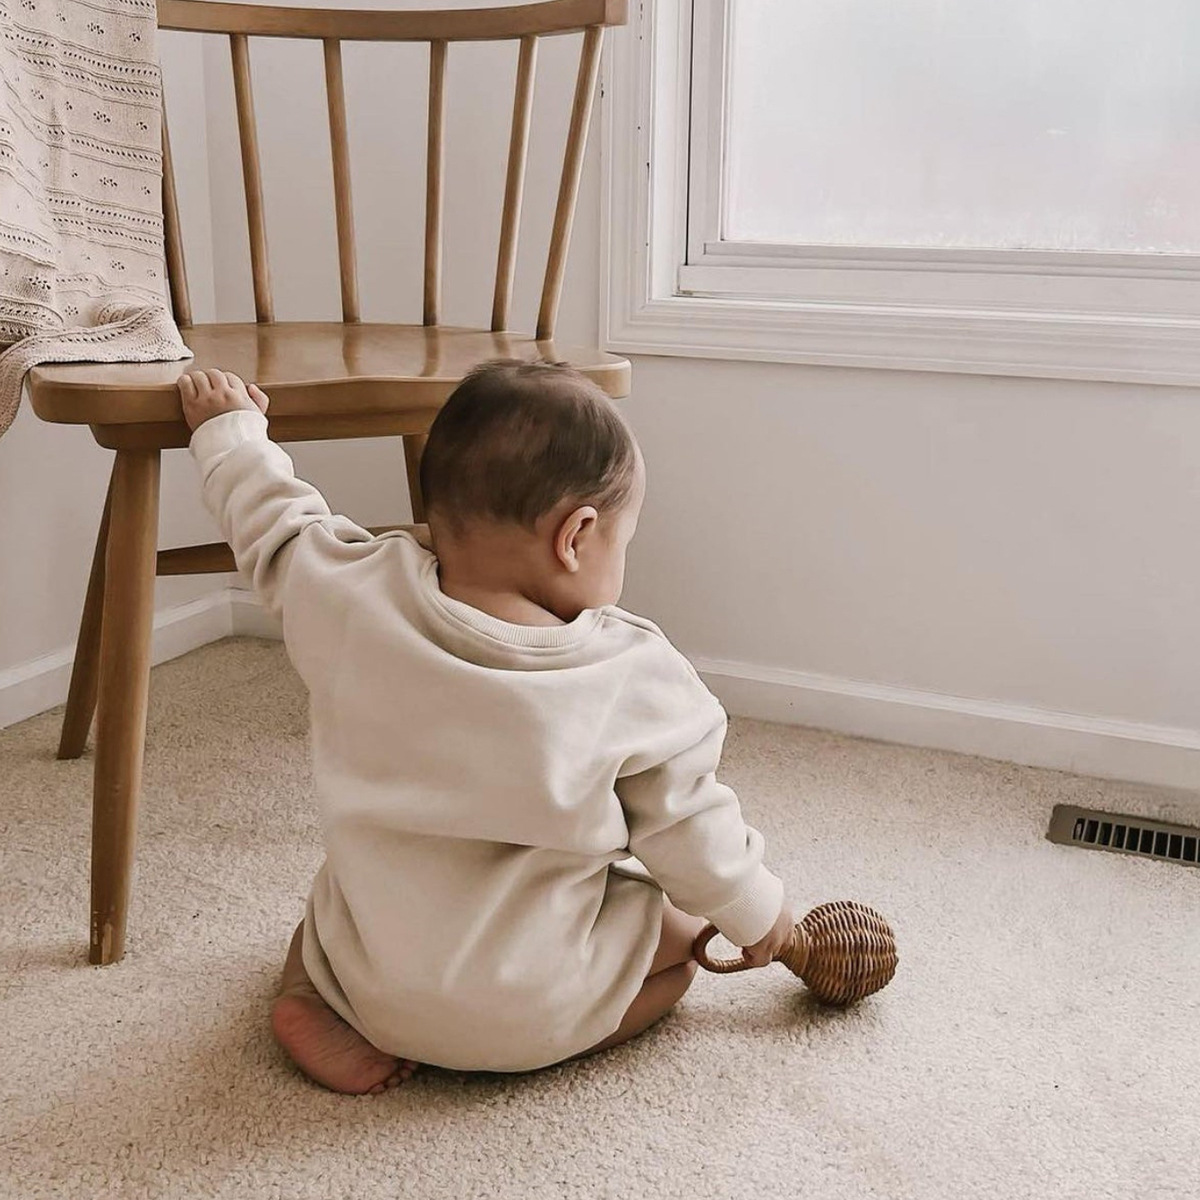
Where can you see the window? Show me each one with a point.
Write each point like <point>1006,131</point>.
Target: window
<point>959,186</point>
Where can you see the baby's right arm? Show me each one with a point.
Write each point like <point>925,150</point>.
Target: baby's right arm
<point>249,482</point>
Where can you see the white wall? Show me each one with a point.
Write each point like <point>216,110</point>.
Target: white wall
<point>995,564</point>
<point>1024,542</point>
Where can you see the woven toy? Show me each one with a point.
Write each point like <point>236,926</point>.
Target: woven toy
<point>842,950</point>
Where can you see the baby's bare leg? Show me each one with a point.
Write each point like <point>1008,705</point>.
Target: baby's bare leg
<point>320,1043</point>
<point>671,973</point>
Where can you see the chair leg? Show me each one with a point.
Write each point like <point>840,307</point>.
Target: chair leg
<point>122,691</point>
<point>81,697</point>
<point>414,447</point>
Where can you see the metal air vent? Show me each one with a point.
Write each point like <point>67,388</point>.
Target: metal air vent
<point>1123,834</point>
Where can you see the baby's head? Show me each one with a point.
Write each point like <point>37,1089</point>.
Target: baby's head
<point>532,479</point>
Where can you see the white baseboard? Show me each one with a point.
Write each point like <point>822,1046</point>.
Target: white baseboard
<point>248,617</point>
<point>33,687</point>
<point>1086,745</point>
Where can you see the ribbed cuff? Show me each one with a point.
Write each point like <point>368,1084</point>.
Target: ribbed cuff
<point>224,432</point>
<point>749,918</point>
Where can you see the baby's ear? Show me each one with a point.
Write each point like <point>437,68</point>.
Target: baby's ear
<point>572,531</point>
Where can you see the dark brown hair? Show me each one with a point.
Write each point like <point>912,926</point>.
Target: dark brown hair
<point>516,438</point>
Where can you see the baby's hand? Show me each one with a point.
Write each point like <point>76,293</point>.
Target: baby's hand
<point>207,394</point>
<point>764,951</point>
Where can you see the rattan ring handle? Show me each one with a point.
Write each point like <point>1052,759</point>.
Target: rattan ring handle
<point>794,954</point>
<point>842,950</point>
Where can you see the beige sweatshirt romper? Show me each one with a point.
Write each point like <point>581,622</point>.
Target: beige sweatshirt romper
<point>477,781</point>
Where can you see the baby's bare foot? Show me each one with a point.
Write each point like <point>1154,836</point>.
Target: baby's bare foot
<point>328,1050</point>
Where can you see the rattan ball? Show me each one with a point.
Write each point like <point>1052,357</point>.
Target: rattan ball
<point>842,951</point>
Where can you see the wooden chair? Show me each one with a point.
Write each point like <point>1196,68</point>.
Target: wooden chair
<point>348,379</point>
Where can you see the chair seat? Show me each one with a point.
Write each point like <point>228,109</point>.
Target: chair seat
<point>310,370</point>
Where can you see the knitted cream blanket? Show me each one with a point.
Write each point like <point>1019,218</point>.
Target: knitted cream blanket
<point>82,273</point>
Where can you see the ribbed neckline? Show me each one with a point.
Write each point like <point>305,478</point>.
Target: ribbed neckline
<point>525,637</point>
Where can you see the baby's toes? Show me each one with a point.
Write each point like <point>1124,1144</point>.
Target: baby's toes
<point>402,1074</point>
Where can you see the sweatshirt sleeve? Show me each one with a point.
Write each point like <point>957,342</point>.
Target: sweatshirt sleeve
<point>688,830</point>
<point>264,511</point>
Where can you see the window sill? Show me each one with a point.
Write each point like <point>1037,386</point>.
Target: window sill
<point>975,342</point>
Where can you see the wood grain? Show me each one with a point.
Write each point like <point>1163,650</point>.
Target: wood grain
<point>122,692</point>
<point>339,143</point>
<point>435,161</point>
<point>81,694</point>
<point>514,183</point>
<point>455,25</point>
<point>264,308</point>
<point>568,189</point>
<point>309,369</point>
<point>414,447</point>
<point>181,301</point>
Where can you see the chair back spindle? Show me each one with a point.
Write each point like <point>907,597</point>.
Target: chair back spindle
<point>264,308</point>
<point>514,182</point>
<point>435,158</point>
<point>339,143</point>
<point>568,188</point>
<point>181,301</point>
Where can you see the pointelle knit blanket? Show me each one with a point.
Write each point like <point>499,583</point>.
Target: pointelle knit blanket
<point>82,270</point>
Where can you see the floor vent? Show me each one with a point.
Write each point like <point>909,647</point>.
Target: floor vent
<point>1096,830</point>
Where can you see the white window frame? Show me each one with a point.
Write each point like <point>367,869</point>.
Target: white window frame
<point>673,286</point>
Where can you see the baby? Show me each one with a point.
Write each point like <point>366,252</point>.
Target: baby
<point>491,738</point>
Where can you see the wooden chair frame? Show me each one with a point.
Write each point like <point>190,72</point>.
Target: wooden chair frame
<point>134,409</point>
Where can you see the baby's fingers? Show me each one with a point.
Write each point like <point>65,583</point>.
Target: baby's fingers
<point>259,397</point>
<point>216,379</point>
<point>196,398</point>
<point>196,382</point>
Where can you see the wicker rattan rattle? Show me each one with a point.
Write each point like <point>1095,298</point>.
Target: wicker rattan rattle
<point>842,950</point>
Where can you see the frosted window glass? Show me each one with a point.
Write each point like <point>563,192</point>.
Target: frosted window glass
<point>1013,124</point>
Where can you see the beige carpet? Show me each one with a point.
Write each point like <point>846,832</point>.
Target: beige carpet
<point>1041,1039</point>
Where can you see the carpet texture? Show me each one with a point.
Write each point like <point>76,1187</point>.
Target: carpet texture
<point>1041,1038</point>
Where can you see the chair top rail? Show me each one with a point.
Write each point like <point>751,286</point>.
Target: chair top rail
<point>357,25</point>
